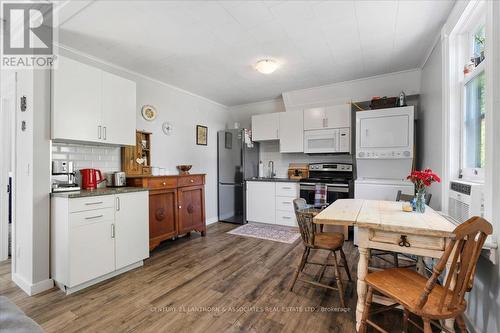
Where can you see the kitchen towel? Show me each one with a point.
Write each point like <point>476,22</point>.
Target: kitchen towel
<point>320,195</point>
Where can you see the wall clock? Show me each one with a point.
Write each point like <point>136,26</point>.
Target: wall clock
<point>167,128</point>
<point>149,112</point>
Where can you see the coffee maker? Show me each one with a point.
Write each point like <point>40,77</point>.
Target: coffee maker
<point>64,176</point>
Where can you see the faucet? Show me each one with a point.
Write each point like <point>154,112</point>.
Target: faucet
<point>270,165</point>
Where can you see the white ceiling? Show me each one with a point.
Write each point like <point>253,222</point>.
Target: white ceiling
<point>209,47</point>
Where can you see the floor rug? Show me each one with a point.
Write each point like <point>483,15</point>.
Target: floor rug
<point>271,232</point>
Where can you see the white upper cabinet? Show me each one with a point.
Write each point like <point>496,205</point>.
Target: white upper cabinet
<point>314,118</point>
<point>265,127</point>
<point>118,110</point>
<point>336,116</point>
<point>291,132</point>
<point>89,104</point>
<point>76,103</point>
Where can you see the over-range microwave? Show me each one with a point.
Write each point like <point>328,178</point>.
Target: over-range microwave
<point>323,141</point>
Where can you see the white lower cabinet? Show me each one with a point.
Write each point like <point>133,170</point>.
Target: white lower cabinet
<point>94,238</point>
<point>260,202</point>
<point>271,202</point>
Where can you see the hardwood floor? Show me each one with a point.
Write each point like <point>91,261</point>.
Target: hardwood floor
<point>217,283</point>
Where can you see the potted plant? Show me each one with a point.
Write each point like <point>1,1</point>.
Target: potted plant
<point>422,180</point>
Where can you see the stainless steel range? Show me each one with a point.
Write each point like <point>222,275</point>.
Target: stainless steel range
<point>338,177</point>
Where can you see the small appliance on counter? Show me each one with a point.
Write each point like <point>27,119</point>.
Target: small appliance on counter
<point>91,178</point>
<point>63,177</point>
<point>116,179</point>
<point>297,171</point>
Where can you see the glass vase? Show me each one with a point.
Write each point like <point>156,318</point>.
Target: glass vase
<point>420,201</point>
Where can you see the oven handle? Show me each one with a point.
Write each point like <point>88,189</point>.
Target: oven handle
<point>343,188</point>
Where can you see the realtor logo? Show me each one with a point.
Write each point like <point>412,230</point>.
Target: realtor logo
<point>28,35</point>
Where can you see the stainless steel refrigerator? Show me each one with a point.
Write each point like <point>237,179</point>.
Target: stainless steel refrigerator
<point>238,159</point>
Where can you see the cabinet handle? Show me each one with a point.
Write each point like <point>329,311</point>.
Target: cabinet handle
<point>180,206</point>
<point>99,131</point>
<point>104,132</point>
<point>112,231</point>
<point>326,122</point>
<point>93,217</point>
<point>164,184</point>
<point>117,203</point>
<point>191,180</point>
<point>287,203</point>
<point>93,203</point>
<point>286,217</point>
<point>286,188</point>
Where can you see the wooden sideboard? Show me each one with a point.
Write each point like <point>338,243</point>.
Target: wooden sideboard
<point>176,205</point>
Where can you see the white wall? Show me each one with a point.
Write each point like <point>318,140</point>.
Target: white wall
<point>184,111</point>
<point>430,125</point>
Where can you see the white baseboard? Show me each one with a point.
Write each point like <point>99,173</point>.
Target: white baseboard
<point>212,220</point>
<point>35,288</point>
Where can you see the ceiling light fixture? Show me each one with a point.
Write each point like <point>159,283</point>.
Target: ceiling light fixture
<point>266,66</point>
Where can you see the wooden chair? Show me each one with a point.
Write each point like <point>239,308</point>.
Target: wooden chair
<point>395,255</point>
<point>314,240</point>
<point>425,297</point>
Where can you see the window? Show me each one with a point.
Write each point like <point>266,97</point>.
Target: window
<point>472,149</point>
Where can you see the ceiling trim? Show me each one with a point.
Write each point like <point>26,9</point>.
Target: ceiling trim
<point>129,71</point>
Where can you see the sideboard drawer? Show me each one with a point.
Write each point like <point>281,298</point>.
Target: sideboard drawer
<point>162,182</point>
<point>417,241</point>
<point>190,180</point>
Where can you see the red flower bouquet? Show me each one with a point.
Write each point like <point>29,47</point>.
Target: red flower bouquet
<point>423,179</point>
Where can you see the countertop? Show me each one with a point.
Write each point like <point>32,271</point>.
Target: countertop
<point>276,180</point>
<point>99,191</point>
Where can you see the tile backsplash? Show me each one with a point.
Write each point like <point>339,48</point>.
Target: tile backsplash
<point>105,158</point>
<point>270,151</point>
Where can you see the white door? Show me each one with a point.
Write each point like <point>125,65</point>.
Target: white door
<point>314,118</point>
<point>91,245</point>
<point>338,116</point>
<point>391,131</point>
<point>131,228</point>
<point>291,132</point>
<point>76,101</point>
<point>265,127</point>
<point>261,205</point>
<point>118,109</point>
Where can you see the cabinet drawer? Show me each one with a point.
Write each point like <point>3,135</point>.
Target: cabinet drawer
<point>91,203</point>
<point>190,180</point>
<point>162,182</point>
<point>91,216</point>
<point>285,204</point>
<point>417,241</point>
<point>287,190</point>
<point>286,218</point>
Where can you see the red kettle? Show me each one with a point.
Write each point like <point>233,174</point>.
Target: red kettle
<point>90,178</point>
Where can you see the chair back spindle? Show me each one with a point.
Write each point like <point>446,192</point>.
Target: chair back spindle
<point>464,251</point>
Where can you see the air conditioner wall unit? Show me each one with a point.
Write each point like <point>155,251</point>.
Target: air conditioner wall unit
<point>466,199</point>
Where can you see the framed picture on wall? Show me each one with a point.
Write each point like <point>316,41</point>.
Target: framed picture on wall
<point>201,135</point>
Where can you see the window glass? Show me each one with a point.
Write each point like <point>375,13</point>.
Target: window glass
<point>474,122</point>
<point>479,42</point>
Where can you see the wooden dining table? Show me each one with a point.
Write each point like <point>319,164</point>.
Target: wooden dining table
<point>383,225</point>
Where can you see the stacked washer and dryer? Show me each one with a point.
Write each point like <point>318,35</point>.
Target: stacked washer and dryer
<point>384,152</point>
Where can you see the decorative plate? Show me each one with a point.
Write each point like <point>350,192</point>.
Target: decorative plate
<point>149,112</point>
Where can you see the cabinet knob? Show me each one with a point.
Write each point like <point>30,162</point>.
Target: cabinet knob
<point>180,207</point>
<point>191,180</point>
<point>164,184</point>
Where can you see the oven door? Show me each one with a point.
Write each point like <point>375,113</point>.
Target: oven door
<point>334,192</point>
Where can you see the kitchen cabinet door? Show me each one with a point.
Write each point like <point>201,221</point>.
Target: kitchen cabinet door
<point>291,132</point>
<point>191,209</point>
<point>162,215</point>
<point>338,116</point>
<point>265,127</point>
<point>91,245</point>
<point>76,101</point>
<point>118,110</point>
<point>261,202</point>
<point>131,228</point>
<point>314,118</point>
